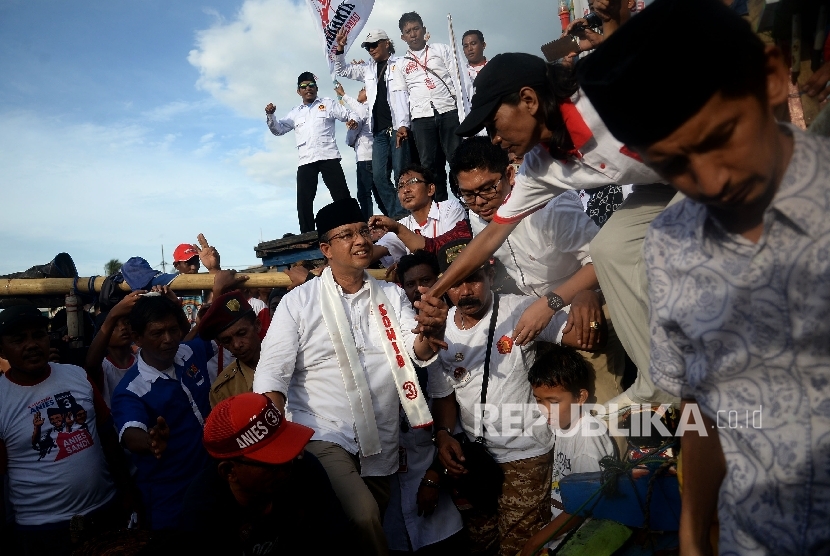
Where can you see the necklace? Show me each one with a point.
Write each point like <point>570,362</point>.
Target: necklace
<point>463,326</point>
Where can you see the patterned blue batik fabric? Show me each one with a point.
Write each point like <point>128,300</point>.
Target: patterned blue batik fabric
<point>744,329</point>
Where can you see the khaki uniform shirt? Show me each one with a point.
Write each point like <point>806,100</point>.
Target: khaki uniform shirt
<point>236,378</point>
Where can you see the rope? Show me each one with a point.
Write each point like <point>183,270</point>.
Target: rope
<point>613,468</point>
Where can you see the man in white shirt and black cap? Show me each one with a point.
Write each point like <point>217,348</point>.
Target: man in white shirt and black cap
<point>313,125</point>
<point>388,103</point>
<point>347,328</point>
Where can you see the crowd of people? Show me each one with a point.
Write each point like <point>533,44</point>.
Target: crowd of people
<point>632,226</point>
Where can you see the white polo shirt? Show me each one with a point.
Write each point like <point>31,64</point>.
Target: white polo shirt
<point>598,159</point>
<point>547,247</point>
<point>425,89</point>
<point>515,428</point>
<point>313,126</point>
<point>442,217</point>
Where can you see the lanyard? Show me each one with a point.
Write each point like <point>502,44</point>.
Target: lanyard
<point>417,59</point>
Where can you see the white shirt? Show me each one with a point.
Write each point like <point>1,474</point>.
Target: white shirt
<point>360,139</point>
<point>577,450</point>
<point>396,93</point>
<point>602,160</point>
<point>547,247</point>
<point>402,524</point>
<point>313,126</point>
<point>298,360</point>
<point>442,217</point>
<point>63,472</point>
<point>426,91</point>
<point>515,428</point>
<point>112,376</point>
<point>472,73</point>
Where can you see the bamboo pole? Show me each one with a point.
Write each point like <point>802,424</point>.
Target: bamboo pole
<point>184,282</point>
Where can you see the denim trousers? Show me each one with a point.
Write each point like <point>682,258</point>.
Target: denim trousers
<point>386,158</point>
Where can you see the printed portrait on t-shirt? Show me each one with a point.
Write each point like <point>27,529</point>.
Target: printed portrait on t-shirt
<point>64,432</point>
<point>561,469</point>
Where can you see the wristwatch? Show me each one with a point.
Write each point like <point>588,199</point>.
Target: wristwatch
<point>554,301</point>
<point>439,429</point>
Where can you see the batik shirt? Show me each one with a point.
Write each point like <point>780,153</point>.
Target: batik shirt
<point>743,328</point>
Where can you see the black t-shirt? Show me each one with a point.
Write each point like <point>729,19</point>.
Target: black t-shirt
<point>381,112</point>
<point>306,517</point>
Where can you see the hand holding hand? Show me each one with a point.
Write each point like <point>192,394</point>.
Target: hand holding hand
<point>450,455</point>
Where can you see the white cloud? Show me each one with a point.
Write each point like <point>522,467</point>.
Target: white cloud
<point>101,192</point>
<point>253,58</point>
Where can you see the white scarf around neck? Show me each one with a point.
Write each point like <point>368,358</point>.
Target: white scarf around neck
<point>354,375</point>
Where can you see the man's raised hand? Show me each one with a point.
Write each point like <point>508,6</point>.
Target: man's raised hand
<point>207,254</point>
<point>270,109</point>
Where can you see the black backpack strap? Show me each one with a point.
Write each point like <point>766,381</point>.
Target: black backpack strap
<point>486,381</point>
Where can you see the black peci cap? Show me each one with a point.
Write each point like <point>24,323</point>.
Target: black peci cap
<point>660,68</point>
<point>338,213</point>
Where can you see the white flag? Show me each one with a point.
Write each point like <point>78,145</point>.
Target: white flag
<point>330,16</point>
<point>465,96</point>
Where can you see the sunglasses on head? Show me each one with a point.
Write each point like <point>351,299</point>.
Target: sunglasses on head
<point>307,85</point>
<point>371,45</point>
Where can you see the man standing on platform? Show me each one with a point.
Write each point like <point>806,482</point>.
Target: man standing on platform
<point>313,125</point>
<point>388,103</point>
<point>431,77</point>
<point>347,328</point>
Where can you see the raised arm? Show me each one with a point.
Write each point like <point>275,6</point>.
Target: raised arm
<point>278,127</point>
<point>355,72</point>
<point>98,348</point>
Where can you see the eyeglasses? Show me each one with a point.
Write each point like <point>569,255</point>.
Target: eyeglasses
<point>350,237</point>
<point>487,193</point>
<point>410,182</point>
<point>371,45</point>
<point>303,86</point>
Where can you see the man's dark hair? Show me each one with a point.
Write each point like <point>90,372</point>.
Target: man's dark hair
<point>306,76</point>
<point>419,257</point>
<point>561,85</point>
<point>425,172</point>
<point>153,309</point>
<point>479,153</point>
<point>563,366</point>
<point>475,32</point>
<point>391,47</point>
<point>409,17</point>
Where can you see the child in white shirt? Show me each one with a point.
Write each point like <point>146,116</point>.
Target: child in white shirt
<point>562,382</point>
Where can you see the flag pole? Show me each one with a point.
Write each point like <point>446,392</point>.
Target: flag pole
<point>462,94</point>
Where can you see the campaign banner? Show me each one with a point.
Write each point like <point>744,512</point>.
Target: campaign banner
<point>331,16</point>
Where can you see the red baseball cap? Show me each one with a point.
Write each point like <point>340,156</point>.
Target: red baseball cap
<point>250,425</point>
<point>184,252</point>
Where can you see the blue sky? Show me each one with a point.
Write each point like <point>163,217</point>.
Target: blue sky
<point>126,125</point>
